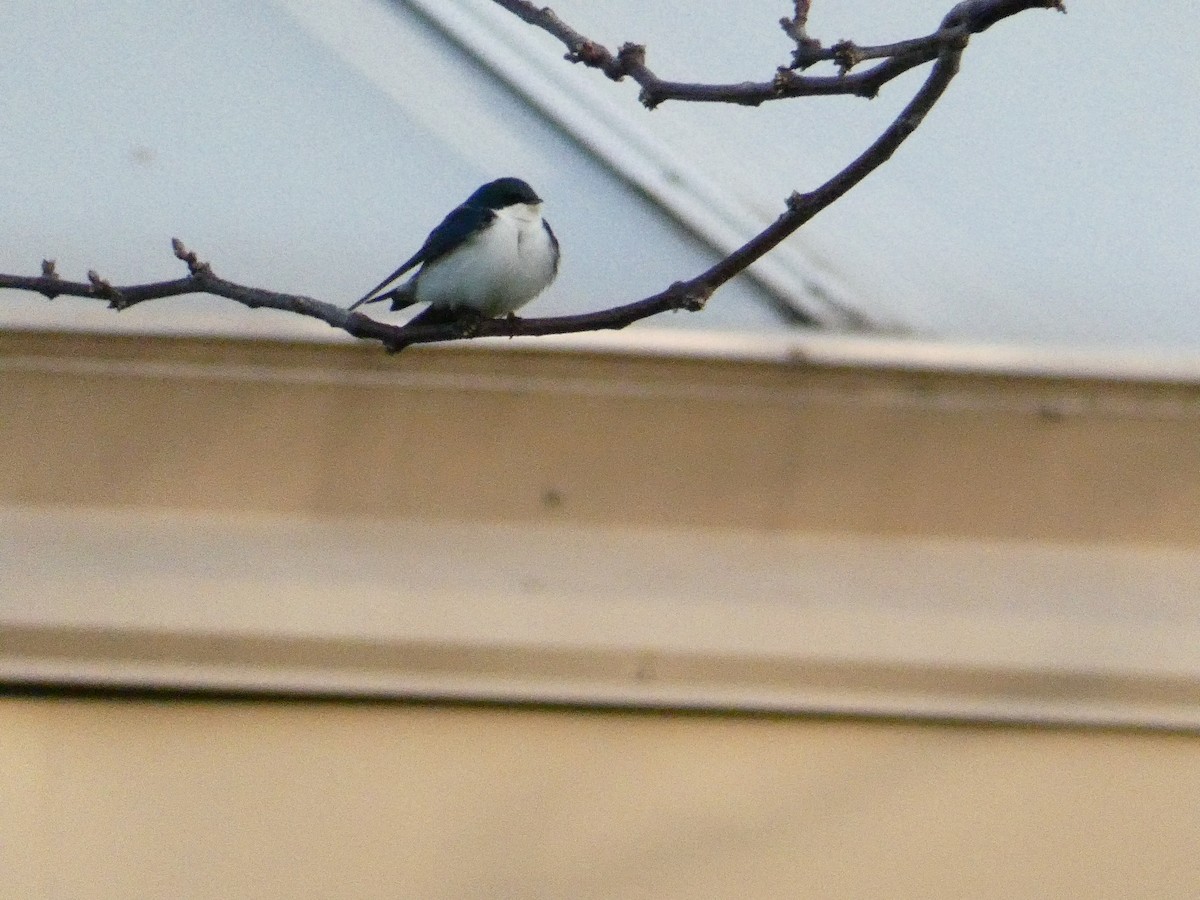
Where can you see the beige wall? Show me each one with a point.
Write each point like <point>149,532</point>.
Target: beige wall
<point>547,438</point>
<point>785,532</point>
<point>216,800</point>
<point>731,534</point>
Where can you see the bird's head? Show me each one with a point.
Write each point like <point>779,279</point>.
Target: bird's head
<point>502,193</point>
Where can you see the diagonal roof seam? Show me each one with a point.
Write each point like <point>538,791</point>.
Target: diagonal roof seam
<point>609,133</point>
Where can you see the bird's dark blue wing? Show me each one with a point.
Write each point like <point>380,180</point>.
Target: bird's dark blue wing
<point>553,243</point>
<point>462,222</point>
<point>369,296</point>
<point>454,231</point>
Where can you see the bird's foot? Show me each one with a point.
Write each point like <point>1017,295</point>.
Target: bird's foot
<point>468,321</point>
<point>512,320</point>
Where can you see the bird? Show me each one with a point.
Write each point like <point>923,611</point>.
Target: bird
<point>488,257</point>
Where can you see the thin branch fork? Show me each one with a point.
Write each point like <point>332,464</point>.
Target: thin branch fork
<point>807,48</point>
<point>967,18</point>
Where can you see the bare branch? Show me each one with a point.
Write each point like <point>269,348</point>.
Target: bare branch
<point>944,46</point>
<point>393,337</point>
<point>689,295</point>
<point>970,17</point>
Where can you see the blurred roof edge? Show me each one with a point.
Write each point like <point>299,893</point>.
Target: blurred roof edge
<point>820,349</point>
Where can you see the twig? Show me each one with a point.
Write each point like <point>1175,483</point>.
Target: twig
<point>808,49</point>
<point>971,16</point>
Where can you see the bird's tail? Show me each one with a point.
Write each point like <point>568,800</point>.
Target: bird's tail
<point>401,298</point>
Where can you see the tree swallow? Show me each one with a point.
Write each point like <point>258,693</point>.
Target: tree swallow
<point>492,255</point>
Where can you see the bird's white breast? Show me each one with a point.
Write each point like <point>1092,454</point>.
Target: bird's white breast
<point>496,271</point>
